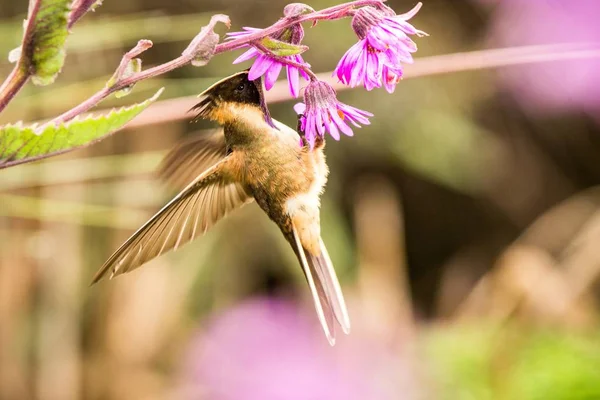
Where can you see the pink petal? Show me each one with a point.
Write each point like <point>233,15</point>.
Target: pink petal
<point>293,80</point>
<point>378,40</point>
<point>246,56</point>
<point>341,124</point>
<point>397,26</point>
<point>302,123</point>
<point>355,56</point>
<point>310,131</point>
<point>260,66</point>
<point>333,130</point>
<point>300,108</point>
<point>247,31</point>
<point>355,115</point>
<point>272,74</point>
<point>359,70</point>
<point>300,60</point>
<point>348,61</point>
<point>372,71</point>
<point>408,15</point>
<point>389,79</point>
<point>340,69</point>
<point>319,123</point>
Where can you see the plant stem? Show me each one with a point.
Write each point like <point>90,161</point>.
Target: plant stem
<point>139,48</point>
<point>20,73</point>
<point>13,83</point>
<point>120,84</point>
<point>83,107</point>
<point>169,110</point>
<point>78,9</point>
<point>335,12</point>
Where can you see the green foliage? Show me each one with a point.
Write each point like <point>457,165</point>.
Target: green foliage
<point>19,144</point>
<point>282,49</point>
<point>558,367</point>
<point>45,43</point>
<point>103,32</point>
<point>445,147</point>
<point>461,363</point>
<point>514,362</point>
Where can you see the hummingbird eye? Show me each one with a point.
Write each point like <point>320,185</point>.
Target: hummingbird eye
<point>241,87</point>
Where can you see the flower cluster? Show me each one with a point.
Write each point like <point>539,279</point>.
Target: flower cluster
<point>383,46</point>
<point>270,66</point>
<point>321,111</point>
<point>375,61</point>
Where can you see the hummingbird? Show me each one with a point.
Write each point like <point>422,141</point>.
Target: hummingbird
<point>252,158</point>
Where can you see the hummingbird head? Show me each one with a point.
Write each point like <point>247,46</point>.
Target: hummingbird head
<point>231,99</point>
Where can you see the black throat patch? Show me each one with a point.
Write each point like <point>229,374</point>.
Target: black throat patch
<point>235,89</point>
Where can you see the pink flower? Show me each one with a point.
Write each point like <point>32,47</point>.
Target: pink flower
<point>268,66</point>
<point>383,46</point>
<point>567,85</point>
<point>322,112</point>
<point>270,349</point>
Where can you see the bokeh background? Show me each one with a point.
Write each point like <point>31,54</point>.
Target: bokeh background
<point>464,225</point>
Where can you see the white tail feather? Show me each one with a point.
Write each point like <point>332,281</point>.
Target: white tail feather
<point>325,289</point>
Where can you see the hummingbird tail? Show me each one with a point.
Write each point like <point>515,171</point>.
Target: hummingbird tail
<point>325,288</point>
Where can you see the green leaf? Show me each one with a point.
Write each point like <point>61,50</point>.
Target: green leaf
<point>133,67</point>
<point>46,39</point>
<point>19,144</point>
<point>282,49</point>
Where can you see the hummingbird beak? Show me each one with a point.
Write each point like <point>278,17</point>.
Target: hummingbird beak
<point>203,108</point>
<point>224,92</point>
<point>208,98</point>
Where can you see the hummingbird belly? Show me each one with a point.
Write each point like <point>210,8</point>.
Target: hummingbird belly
<point>288,189</point>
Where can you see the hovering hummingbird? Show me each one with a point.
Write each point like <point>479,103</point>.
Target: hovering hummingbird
<point>254,157</point>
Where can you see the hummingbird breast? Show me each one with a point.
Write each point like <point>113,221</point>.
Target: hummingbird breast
<point>286,181</point>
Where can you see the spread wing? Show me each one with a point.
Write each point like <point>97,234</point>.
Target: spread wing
<point>198,207</point>
<point>192,156</point>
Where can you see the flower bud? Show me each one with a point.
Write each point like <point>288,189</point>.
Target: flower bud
<point>364,19</point>
<point>297,9</point>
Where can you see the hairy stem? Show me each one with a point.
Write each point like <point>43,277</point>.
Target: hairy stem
<point>141,46</point>
<point>121,84</point>
<point>11,86</point>
<point>78,10</point>
<point>83,107</point>
<point>20,73</point>
<point>335,12</point>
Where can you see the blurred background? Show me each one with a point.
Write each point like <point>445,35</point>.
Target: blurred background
<point>463,224</point>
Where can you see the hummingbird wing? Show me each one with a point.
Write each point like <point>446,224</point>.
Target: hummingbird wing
<point>192,156</point>
<point>324,286</point>
<point>198,207</point>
